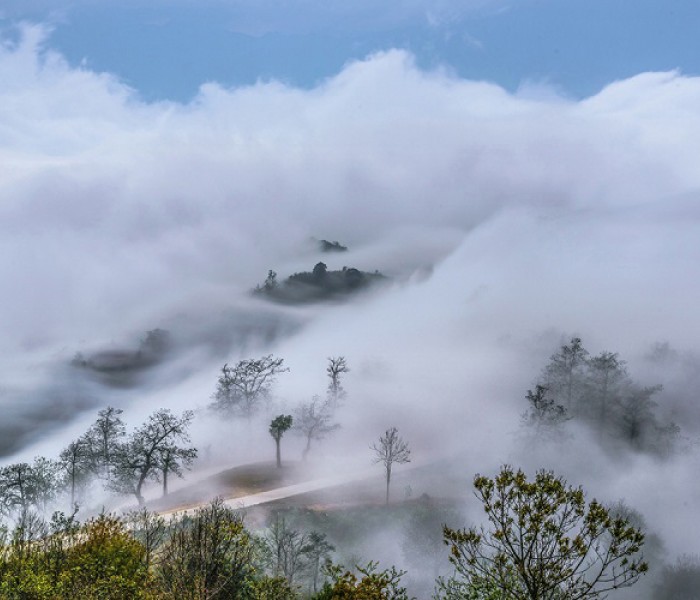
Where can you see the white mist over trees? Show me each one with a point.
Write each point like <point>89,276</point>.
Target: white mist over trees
<point>504,221</point>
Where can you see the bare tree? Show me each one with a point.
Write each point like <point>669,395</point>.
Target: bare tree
<point>140,458</point>
<point>46,474</point>
<point>279,425</point>
<point>391,449</point>
<point>17,487</point>
<point>103,437</point>
<point>319,553</point>
<point>149,529</point>
<point>76,463</point>
<point>336,367</point>
<point>240,388</point>
<point>313,421</point>
<point>544,416</point>
<point>607,376</point>
<point>209,555</point>
<point>172,459</point>
<point>289,549</point>
<point>24,486</point>
<point>565,373</point>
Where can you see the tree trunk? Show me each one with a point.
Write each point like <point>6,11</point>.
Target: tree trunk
<point>165,482</point>
<point>305,453</point>
<point>388,480</point>
<point>279,455</point>
<point>137,491</point>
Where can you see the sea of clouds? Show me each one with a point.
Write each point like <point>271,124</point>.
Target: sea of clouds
<point>506,221</point>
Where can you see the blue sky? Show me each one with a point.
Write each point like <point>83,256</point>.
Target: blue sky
<point>166,50</point>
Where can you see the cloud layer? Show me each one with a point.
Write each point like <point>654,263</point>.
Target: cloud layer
<point>507,221</point>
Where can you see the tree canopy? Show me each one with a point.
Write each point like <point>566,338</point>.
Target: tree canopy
<point>544,541</point>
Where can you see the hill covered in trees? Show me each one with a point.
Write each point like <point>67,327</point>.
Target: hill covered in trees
<point>317,285</point>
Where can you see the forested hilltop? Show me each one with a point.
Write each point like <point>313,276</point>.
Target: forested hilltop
<point>317,285</point>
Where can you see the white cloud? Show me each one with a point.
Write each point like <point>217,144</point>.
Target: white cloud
<point>538,213</point>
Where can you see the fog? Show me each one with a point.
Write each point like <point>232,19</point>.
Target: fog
<point>507,222</point>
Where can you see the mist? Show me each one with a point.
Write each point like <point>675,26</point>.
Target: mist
<point>506,222</point>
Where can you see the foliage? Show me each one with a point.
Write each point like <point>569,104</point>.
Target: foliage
<point>391,449</point>
<point>270,588</point>
<point>371,584</point>
<point>207,556</point>
<point>565,371</point>
<point>106,563</point>
<point>279,425</point>
<point>598,391</point>
<point>545,542</point>
<point>96,561</point>
<point>149,529</point>
<point>316,285</point>
<point>476,588</point>
<point>241,388</point>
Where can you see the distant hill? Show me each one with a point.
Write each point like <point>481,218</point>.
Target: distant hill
<point>326,246</point>
<point>317,285</point>
<point>118,367</point>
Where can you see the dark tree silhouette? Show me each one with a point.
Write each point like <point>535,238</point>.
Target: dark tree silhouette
<point>241,388</point>
<point>390,449</point>
<point>279,425</point>
<point>337,366</point>
<point>313,421</point>
<point>140,457</point>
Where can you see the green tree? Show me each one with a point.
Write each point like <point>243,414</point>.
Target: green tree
<point>545,541</point>
<point>66,561</point>
<point>368,584</point>
<point>106,563</point>
<point>279,425</point>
